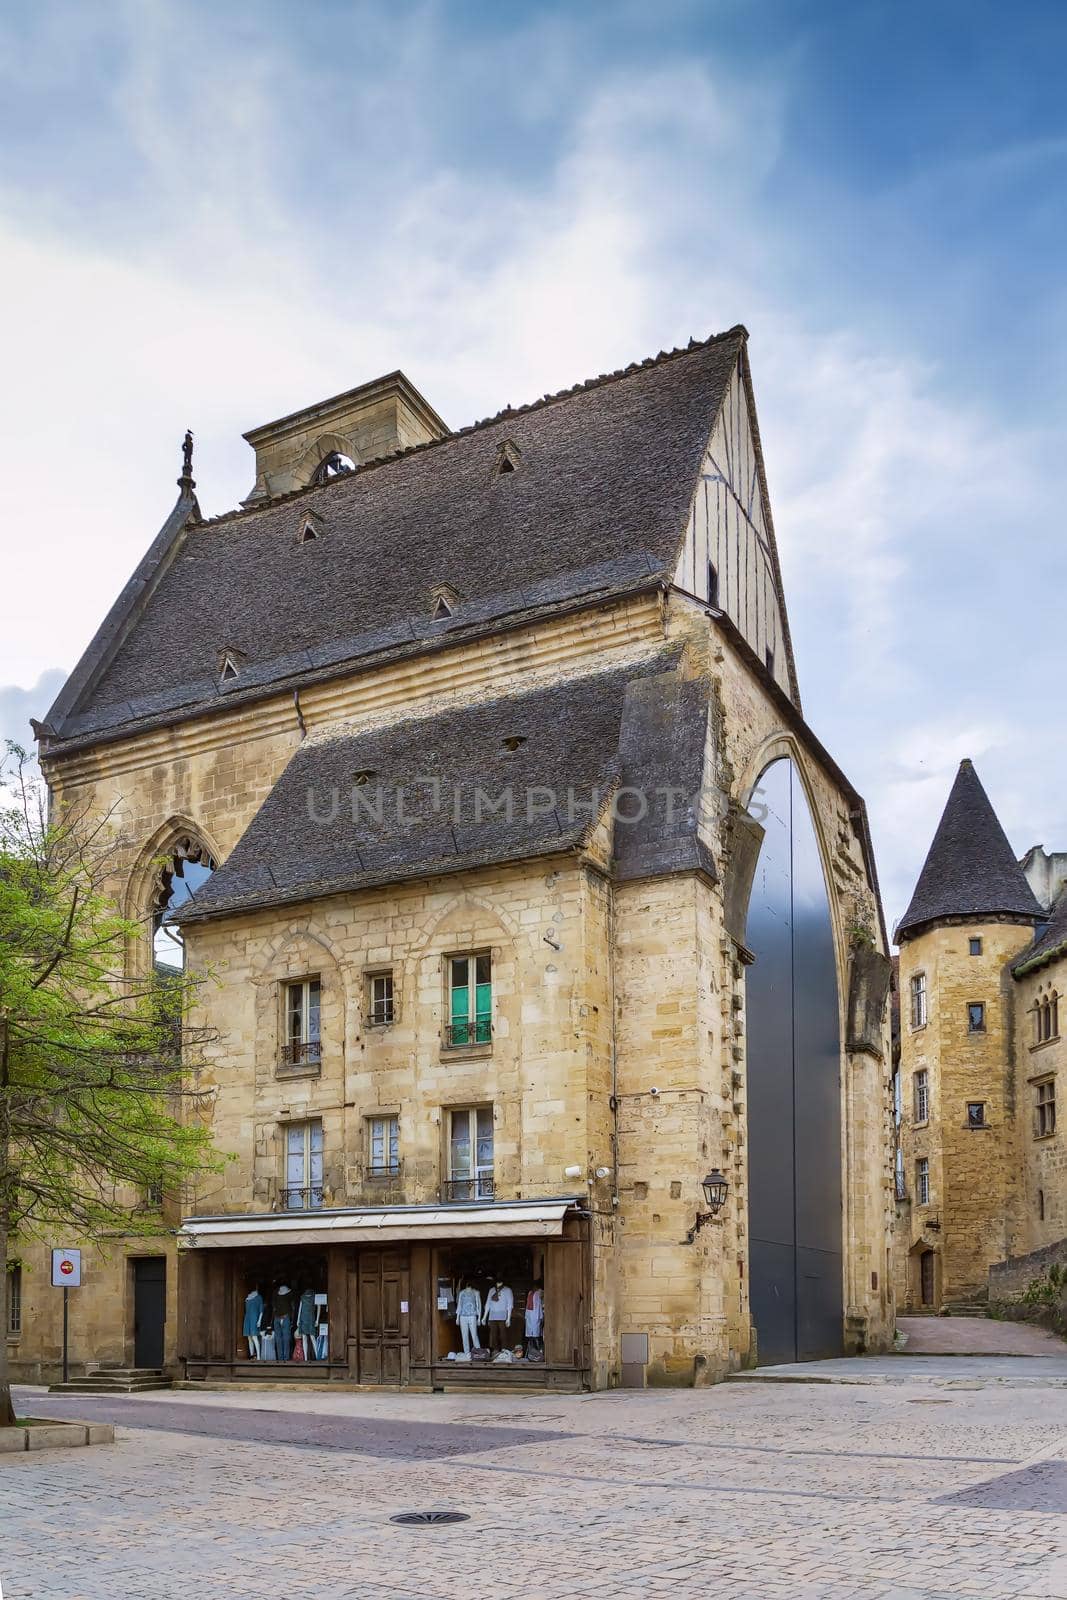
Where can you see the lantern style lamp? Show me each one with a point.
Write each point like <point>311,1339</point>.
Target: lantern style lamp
<point>716,1187</point>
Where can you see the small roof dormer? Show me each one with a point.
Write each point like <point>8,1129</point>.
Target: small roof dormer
<point>332,437</point>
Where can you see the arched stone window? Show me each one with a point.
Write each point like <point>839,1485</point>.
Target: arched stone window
<point>334,465</point>
<point>187,866</point>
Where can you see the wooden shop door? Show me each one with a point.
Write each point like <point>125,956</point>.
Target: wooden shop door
<point>383,1316</point>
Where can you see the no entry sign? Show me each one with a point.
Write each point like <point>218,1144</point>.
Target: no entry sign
<point>66,1269</point>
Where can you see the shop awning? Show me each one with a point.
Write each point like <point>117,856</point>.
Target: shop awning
<point>519,1219</point>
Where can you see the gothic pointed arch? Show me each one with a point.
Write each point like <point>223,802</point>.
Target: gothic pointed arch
<point>178,858</point>
<point>312,465</point>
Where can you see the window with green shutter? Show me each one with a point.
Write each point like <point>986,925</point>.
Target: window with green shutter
<point>470,999</point>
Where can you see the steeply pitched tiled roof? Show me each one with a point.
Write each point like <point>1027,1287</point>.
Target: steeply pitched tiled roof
<point>971,870</point>
<point>597,506</point>
<point>1049,943</point>
<point>445,792</point>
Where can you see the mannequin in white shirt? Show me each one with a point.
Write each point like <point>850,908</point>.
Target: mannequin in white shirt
<point>468,1311</point>
<point>499,1304</point>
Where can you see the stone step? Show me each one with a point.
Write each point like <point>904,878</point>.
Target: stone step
<point>112,1384</point>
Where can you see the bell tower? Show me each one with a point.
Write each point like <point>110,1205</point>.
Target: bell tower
<point>335,436</point>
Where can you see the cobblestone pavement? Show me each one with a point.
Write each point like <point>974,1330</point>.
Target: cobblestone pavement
<point>806,1491</point>
<point>977,1336</point>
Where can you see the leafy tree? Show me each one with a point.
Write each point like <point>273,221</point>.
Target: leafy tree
<point>93,1108</point>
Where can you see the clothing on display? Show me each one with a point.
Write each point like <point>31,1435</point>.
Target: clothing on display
<point>253,1314</point>
<point>499,1304</point>
<point>535,1313</point>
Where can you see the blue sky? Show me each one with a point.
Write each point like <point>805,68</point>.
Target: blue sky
<point>211,214</point>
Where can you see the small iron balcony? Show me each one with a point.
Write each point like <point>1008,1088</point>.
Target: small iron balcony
<point>305,1054</point>
<point>477,1030</point>
<point>306,1199</point>
<point>459,1189</point>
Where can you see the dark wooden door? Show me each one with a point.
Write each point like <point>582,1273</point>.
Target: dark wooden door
<point>383,1316</point>
<point>149,1310</point>
<point>926,1277</point>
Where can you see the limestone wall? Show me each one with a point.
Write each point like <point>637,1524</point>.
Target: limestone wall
<point>973,1169</point>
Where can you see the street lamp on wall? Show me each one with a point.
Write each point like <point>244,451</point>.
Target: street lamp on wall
<point>716,1187</point>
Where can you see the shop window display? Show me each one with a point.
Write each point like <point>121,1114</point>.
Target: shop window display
<point>284,1311</point>
<point>490,1305</point>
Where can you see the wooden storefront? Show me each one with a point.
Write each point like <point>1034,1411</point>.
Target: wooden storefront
<point>388,1309</point>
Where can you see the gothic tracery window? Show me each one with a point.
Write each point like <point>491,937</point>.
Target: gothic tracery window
<point>187,867</point>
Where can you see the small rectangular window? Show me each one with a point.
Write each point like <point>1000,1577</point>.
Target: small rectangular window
<point>470,1154</point>
<point>303,1166</point>
<point>922,1181</point>
<point>975,946</point>
<point>976,1113</point>
<point>14,1300</point>
<point>383,1139</point>
<point>918,1000</point>
<point>380,1011</point>
<point>153,1196</point>
<point>470,999</point>
<point>976,1017</point>
<point>1045,1109</point>
<point>768,656</point>
<point>922,1097</point>
<point>901,1191</point>
<point>303,1040</point>
<point>713,585</point>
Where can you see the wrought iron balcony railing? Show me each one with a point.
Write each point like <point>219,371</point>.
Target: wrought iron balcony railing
<point>307,1199</point>
<point>302,1054</point>
<point>477,1188</point>
<point>476,1030</point>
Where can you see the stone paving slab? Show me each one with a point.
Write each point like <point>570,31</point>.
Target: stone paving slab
<point>1045,1371</point>
<point>977,1336</point>
<point>810,1492</point>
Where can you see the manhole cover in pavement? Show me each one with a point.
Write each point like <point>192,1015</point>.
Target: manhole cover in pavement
<point>429,1519</point>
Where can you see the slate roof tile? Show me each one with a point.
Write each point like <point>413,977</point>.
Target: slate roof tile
<point>971,870</point>
<point>435,802</point>
<point>598,504</point>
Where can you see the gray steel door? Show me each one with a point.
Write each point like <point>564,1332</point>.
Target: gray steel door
<point>794,1093</point>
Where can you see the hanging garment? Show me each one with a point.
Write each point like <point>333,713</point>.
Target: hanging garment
<point>535,1313</point>
<point>305,1315</point>
<point>266,1347</point>
<point>253,1314</point>
<point>284,1302</point>
<point>468,1327</point>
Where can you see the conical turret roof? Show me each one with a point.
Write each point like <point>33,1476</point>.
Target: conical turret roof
<point>971,870</point>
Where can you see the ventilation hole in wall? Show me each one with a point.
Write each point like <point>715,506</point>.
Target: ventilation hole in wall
<point>513,741</point>
<point>364,777</point>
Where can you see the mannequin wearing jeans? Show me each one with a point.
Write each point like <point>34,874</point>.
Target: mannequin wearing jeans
<point>283,1322</point>
<point>468,1311</point>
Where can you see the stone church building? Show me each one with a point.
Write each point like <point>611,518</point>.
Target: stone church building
<point>981,1177</point>
<point>548,970</point>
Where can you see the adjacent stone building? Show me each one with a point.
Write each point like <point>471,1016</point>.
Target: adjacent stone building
<point>472,767</point>
<point>980,1176</point>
